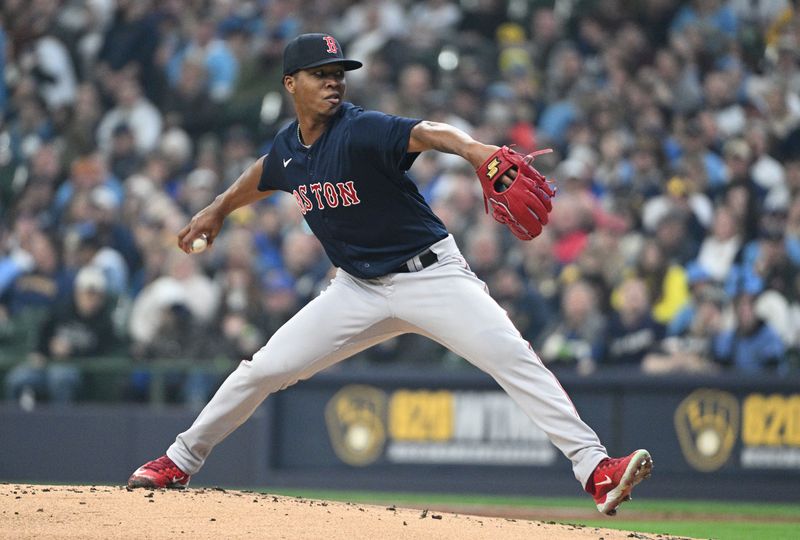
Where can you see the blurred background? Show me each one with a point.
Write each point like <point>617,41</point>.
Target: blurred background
<point>668,277</point>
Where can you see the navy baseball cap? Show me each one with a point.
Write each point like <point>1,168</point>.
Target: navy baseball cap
<point>314,50</point>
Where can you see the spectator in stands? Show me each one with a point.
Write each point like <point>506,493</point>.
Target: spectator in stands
<point>178,334</point>
<point>198,189</point>
<point>237,152</point>
<point>781,109</point>
<point>632,333</point>
<point>52,66</point>
<point>673,234</point>
<point>485,253</point>
<point>766,258</point>
<point>32,282</point>
<point>701,285</point>
<point>679,218</point>
<point>86,173</point>
<point>87,244</point>
<point>666,282</point>
<point>175,158</point>
<point>591,268</point>
<point>613,171</point>
<point>279,301</point>
<point>213,53</point>
<point>571,223</point>
<point>133,109</point>
<point>714,18</point>
<point>721,246</point>
<point>689,349</point>
<point>526,309</point>
<point>34,196</point>
<point>79,133</point>
<point>675,82</point>
<point>124,158</point>
<point>359,17</point>
<point>767,173</point>
<point>760,14</point>
<point>431,21</point>
<point>720,99</point>
<point>243,313</point>
<point>304,262</point>
<point>113,232</point>
<point>188,103</point>
<point>575,341</point>
<point>453,194</point>
<point>79,328</point>
<point>130,43</point>
<point>30,126</point>
<point>170,319</point>
<point>414,89</point>
<point>539,264</point>
<point>694,144</point>
<point>185,296</point>
<point>753,346</point>
<point>646,168</point>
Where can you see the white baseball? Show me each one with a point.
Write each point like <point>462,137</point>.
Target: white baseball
<point>199,244</point>
<point>708,442</point>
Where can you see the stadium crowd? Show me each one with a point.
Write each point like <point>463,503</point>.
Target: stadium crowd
<point>675,237</point>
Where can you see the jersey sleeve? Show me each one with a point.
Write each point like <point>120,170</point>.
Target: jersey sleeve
<point>385,137</point>
<point>267,173</point>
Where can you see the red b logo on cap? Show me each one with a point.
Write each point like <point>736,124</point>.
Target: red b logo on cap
<point>331,44</point>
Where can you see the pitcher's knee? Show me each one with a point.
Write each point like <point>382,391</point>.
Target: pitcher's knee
<point>508,354</point>
<point>273,372</point>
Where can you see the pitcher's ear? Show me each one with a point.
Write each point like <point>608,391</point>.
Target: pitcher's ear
<point>288,83</point>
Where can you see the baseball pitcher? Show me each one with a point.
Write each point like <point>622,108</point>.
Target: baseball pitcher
<point>398,269</point>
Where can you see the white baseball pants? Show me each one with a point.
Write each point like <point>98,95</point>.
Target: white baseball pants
<point>445,302</point>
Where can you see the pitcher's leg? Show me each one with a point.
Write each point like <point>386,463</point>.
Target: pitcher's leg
<point>459,313</point>
<point>335,325</point>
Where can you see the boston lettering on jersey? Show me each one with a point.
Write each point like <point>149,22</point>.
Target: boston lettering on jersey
<point>334,194</point>
<point>353,190</point>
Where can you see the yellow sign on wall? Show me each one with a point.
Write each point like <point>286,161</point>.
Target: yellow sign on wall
<point>707,425</point>
<point>421,415</point>
<point>433,426</point>
<point>771,431</point>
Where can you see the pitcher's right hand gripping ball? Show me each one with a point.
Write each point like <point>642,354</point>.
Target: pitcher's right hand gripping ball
<point>524,206</point>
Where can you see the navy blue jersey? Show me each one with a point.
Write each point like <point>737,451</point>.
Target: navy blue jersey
<point>352,187</point>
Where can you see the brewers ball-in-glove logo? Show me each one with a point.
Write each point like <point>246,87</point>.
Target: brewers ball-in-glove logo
<point>707,424</point>
<point>356,419</point>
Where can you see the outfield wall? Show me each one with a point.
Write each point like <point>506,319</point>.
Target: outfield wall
<point>730,437</point>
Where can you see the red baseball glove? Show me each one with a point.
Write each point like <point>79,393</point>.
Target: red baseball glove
<point>524,205</point>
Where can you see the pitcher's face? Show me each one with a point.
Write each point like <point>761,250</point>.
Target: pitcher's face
<point>319,90</point>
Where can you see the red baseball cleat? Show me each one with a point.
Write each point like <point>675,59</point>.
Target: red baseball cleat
<point>159,473</point>
<point>614,478</point>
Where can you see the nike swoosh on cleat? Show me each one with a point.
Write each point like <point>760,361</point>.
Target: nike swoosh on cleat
<point>286,162</point>
<point>604,482</point>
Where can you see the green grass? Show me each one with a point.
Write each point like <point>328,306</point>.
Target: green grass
<point>697,519</point>
<point>736,509</point>
<point>719,530</point>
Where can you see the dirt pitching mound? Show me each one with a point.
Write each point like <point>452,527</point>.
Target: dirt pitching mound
<point>101,512</point>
